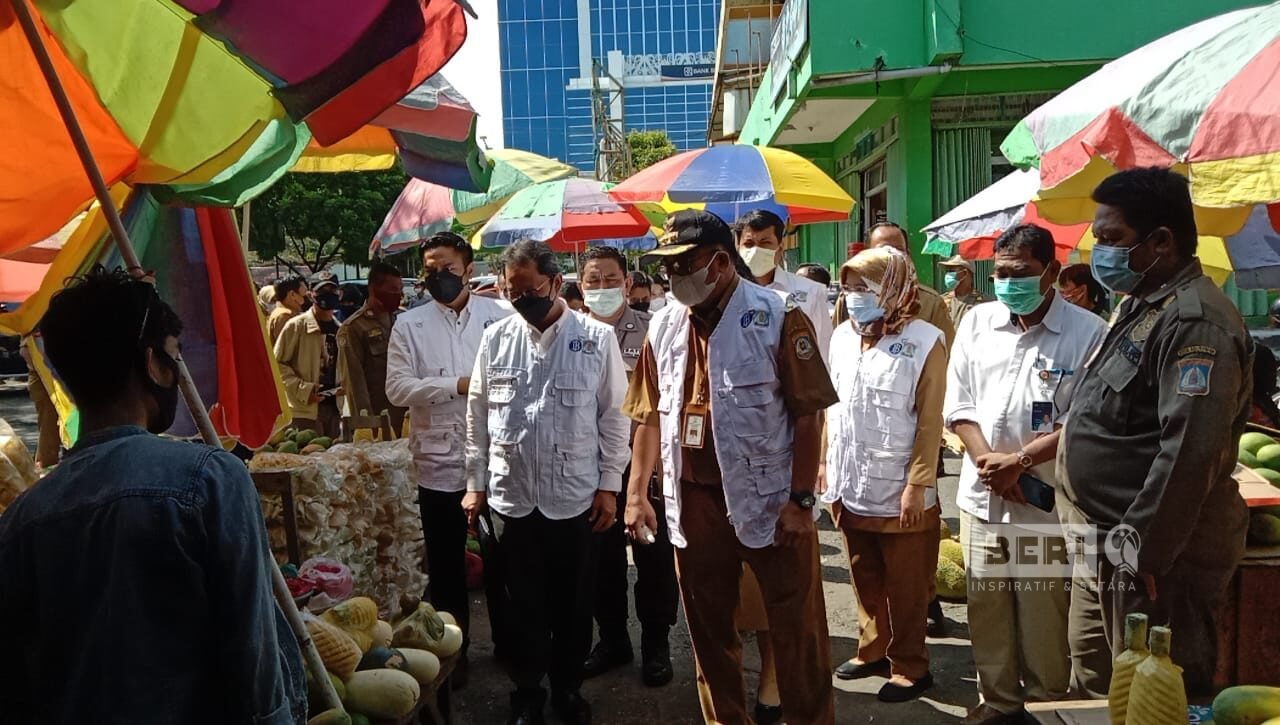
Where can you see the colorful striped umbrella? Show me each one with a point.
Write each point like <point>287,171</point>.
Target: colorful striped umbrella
<point>196,93</point>
<point>207,282</point>
<point>1204,100</point>
<point>732,180</point>
<point>432,131</point>
<point>566,214</point>
<point>423,209</point>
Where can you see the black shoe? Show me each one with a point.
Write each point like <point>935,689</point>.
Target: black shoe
<point>937,623</point>
<point>897,693</point>
<point>607,656</point>
<point>655,658</point>
<point>571,708</point>
<point>461,672</point>
<point>768,714</point>
<point>526,708</point>
<point>856,671</point>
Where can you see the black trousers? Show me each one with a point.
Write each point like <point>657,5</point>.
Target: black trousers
<point>546,564</point>
<point>444,528</point>
<point>656,592</point>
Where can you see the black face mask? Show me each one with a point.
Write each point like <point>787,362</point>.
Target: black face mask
<point>306,304</point>
<point>166,397</point>
<point>533,309</point>
<point>444,286</point>
<point>328,301</point>
<point>642,306</point>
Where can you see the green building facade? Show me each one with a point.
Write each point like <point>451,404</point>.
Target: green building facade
<point>905,103</point>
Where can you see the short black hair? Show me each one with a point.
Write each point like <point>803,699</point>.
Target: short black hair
<point>606,253</point>
<point>571,291</point>
<point>351,292</point>
<point>640,279</point>
<point>451,241</point>
<point>891,225</point>
<point>531,251</point>
<point>760,220</point>
<point>821,275</point>
<point>1035,239</point>
<point>1150,198</point>
<point>380,271</point>
<point>291,284</point>
<point>97,329</point>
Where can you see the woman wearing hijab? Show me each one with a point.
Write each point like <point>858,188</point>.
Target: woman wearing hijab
<point>889,369</point>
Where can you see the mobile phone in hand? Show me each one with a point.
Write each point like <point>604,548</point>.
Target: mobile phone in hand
<point>1037,492</point>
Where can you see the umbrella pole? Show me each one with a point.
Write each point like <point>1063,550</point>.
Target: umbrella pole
<point>130,257</point>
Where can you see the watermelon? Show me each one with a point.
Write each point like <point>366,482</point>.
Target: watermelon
<point>1264,529</point>
<point>1269,456</point>
<point>1254,441</point>
<point>1247,459</point>
<point>1271,476</point>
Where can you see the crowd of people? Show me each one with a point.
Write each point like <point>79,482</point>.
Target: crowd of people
<point>703,417</point>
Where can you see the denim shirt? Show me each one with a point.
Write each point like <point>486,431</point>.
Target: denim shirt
<point>135,588</point>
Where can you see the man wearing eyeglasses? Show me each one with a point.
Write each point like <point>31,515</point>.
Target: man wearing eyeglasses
<point>727,393</point>
<point>429,360</point>
<point>546,447</point>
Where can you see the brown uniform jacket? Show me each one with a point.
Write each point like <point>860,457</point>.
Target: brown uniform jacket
<point>279,317</point>
<point>362,364</point>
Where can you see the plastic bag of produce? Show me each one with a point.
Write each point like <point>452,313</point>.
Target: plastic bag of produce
<point>17,469</point>
<point>331,578</point>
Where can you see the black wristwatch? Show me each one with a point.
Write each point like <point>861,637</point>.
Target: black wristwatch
<point>805,499</point>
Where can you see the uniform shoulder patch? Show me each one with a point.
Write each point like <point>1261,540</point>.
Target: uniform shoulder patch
<point>1193,376</point>
<point>804,347</point>
<point>1199,350</point>
<point>800,296</point>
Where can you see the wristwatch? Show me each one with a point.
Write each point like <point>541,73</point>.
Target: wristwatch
<point>805,499</point>
<point>1024,460</point>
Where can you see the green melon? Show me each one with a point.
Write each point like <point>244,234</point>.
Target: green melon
<point>1264,529</point>
<point>1247,459</point>
<point>1269,456</point>
<point>1254,441</point>
<point>1272,476</point>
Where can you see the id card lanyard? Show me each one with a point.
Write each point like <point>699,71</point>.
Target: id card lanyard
<point>693,432</point>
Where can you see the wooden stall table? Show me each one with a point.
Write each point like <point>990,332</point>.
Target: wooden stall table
<point>1071,712</point>
<point>1248,633</point>
<point>280,483</point>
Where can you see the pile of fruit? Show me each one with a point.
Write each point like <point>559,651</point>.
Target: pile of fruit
<point>950,579</point>
<point>1261,453</point>
<point>301,442</point>
<point>378,670</point>
<point>1247,705</point>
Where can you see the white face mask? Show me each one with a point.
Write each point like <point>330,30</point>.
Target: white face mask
<point>604,302</point>
<point>692,289</point>
<point>759,260</point>
<point>656,303</point>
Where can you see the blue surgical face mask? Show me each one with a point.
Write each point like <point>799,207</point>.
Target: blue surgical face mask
<point>950,280</point>
<point>863,307</point>
<point>1110,266</point>
<point>1022,295</point>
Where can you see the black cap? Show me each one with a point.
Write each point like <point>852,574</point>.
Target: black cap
<point>689,229</point>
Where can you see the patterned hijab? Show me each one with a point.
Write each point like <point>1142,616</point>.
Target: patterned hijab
<point>892,276</point>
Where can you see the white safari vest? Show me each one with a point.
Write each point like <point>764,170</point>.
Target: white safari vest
<point>871,430</point>
<point>752,429</point>
<point>544,444</point>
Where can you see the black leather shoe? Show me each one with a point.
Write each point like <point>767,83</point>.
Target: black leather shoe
<point>851,670</point>
<point>768,714</point>
<point>607,656</point>
<point>526,708</point>
<point>937,623</point>
<point>571,708</point>
<point>655,658</point>
<point>897,693</point>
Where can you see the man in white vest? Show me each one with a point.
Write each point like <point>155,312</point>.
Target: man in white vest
<point>760,234</point>
<point>429,360</point>
<point>728,389</point>
<point>546,447</point>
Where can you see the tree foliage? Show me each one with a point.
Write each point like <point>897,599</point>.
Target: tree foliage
<point>308,221</point>
<point>649,147</point>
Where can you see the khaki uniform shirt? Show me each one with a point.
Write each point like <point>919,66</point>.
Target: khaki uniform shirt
<point>631,329</point>
<point>934,310</point>
<point>362,361</point>
<point>806,385</point>
<point>957,306</point>
<point>279,317</point>
<point>1151,439</point>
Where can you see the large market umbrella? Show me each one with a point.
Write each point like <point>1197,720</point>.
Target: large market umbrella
<point>177,92</point>
<point>1204,100</point>
<point>734,179</point>
<point>432,131</point>
<point>422,209</point>
<point>566,214</point>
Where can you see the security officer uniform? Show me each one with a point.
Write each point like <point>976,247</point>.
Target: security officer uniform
<point>362,353</point>
<point>656,591</point>
<point>1146,457</point>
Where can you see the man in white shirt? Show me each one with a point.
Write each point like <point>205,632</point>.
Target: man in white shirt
<point>429,361</point>
<point>760,234</point>
<point>1009,385</point>
<point>546,447</point>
